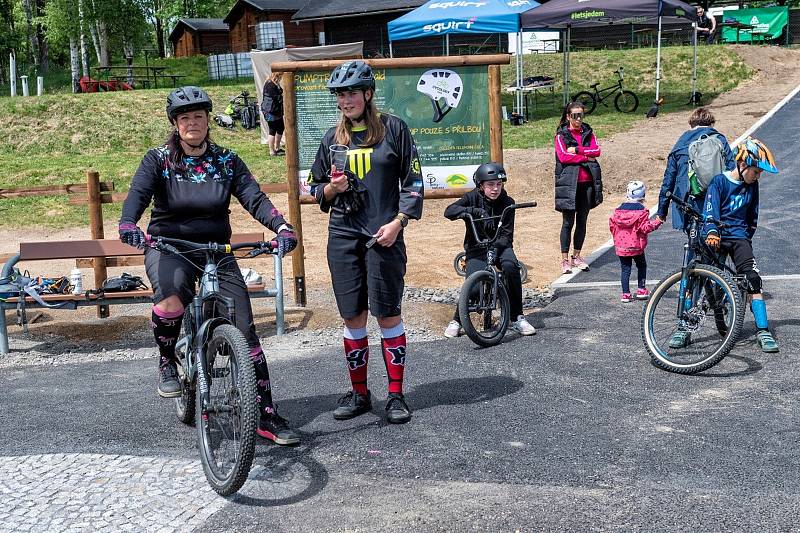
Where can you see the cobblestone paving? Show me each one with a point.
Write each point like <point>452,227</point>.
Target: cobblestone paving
<point>96,492</point>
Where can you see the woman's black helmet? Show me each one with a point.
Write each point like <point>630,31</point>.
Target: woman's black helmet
<point>488,172</point>
<point>351,76</point>
<point>185,99</point>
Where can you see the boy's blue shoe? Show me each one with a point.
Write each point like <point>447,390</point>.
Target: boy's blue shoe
<point>767,342</point>
<point>680,339</point>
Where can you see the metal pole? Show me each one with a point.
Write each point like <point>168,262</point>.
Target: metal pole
<point>694,67</point>
<point>519,73</point>
<point>25,91</point>
<point>447,44</point>
<point>391,51</point>
<point>658,60</point>
<point>39,85</point>
<point>279,317</point>
<point>12,69</point>
<point>566,65</point>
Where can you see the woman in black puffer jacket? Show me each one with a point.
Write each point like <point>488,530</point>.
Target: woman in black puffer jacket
<point>579,185</point>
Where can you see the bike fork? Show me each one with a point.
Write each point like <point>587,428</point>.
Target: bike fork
<point>683,302</point>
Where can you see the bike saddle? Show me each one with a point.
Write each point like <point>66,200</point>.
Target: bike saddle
<point>594,85</point>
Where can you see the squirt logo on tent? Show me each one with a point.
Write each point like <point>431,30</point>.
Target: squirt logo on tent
<point>446,5</point>
<point>455,25</point>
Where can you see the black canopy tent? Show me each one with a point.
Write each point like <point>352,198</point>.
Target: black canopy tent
<point>566,14</point>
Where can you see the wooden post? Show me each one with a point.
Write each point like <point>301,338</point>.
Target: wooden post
<point>495,115</point>
<point>96,227</point>
<point>292,171</point>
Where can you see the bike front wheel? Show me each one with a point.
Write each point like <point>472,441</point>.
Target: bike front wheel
<point>587,99</point>
<point>626,102</point>
<point>484,314</point>
<point>185,403</point>
<point>689,340</point>
<point>227,425</point>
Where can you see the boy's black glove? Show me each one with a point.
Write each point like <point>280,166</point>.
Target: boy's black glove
<point>477,212</point>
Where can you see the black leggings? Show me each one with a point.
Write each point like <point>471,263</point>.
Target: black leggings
<point>576,218</point>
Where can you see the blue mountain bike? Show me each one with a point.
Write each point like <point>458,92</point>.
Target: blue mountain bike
<point>695,315</point>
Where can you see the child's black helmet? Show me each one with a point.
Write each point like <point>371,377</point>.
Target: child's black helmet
<point>185,99</point>
<point>351,76</point>
<point>489,171</point>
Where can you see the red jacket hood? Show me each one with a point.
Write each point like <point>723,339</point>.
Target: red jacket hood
<point>628,218</point>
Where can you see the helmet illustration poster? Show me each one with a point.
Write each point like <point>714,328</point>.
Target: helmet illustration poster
<point>438,85</point>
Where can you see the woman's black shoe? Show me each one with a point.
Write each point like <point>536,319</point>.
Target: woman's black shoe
<point>397,411</point>
<point>353,404</point>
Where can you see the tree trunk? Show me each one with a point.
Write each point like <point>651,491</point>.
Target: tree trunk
<point>41,37</point>
<point>160,36</point>
<point>102,38</point>
<point>74,64</point>
<point>33,52</point>
<point>82,36</point>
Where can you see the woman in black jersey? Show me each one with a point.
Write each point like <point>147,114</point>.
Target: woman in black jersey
<point>369,203</point>
<point>190,181</point>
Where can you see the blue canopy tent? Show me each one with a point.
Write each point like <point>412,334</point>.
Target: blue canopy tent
<point>437,17</point>
<point>565,14</point>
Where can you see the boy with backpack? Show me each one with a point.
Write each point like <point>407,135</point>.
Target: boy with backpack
<point>699,154</point>
<point>629,224</point>
<point>732,199</point>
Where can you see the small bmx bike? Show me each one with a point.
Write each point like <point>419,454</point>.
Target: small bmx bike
<point>695,315</point>
<point>624,102</point>
<point>218,381</point>
<point>460,266</point>
<point>483,304</point>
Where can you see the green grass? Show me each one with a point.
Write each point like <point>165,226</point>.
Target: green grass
<point>720,69</point>
<point>56,138</point>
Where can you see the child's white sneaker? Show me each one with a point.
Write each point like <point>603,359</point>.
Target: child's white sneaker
<point>522,326</point>
<point>453,329</point>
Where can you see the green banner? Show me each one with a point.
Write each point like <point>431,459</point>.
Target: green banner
<point>757,24</point>
<point>446,109</point>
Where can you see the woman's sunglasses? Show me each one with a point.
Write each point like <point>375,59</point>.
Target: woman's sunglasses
<point>576,116</point>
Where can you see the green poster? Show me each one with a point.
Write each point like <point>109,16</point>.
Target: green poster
<point>446,109</point>
<point>746,25</point>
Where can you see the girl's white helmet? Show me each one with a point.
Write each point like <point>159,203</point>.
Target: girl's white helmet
<point>636,190</point>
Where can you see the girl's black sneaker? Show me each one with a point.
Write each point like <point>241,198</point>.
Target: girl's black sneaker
<point>353,404</point>
<point>275,428</point>
<point>397,411</point>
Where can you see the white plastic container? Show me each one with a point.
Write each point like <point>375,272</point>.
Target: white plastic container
<point>76,279</point>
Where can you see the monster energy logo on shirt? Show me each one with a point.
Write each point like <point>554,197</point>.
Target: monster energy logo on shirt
<point>360,161</point>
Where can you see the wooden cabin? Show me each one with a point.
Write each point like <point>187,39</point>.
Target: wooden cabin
<point>344,21</point>
<point>246,14</point>
<point>192,37</point>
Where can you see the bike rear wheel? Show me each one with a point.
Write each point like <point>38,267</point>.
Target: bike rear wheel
<point>587,99</point>
<point>626,102</point>
<point>226,430</point>
<point>460,264</point>
<point>710,296</point>
<point>484,317</point>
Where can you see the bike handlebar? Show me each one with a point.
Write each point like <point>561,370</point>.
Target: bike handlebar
<point>692,212</point>
<point>501,216</point>
<point>166,244</point>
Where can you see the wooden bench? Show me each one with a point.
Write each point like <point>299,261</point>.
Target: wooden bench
<point>112,251</point>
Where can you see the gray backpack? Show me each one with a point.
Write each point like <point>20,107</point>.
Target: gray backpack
<point>706,160</point>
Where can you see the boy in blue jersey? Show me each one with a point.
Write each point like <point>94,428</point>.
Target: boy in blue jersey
<point>732,199</point>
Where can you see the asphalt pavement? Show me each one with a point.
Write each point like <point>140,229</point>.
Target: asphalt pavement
<point>571,429</point>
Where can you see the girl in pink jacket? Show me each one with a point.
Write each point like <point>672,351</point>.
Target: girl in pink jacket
<point>630,224</point>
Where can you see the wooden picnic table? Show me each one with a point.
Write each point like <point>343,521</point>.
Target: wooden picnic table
<point>115,71</point>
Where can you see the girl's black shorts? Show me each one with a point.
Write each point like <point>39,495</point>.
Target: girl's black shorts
<point>366,278</point>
